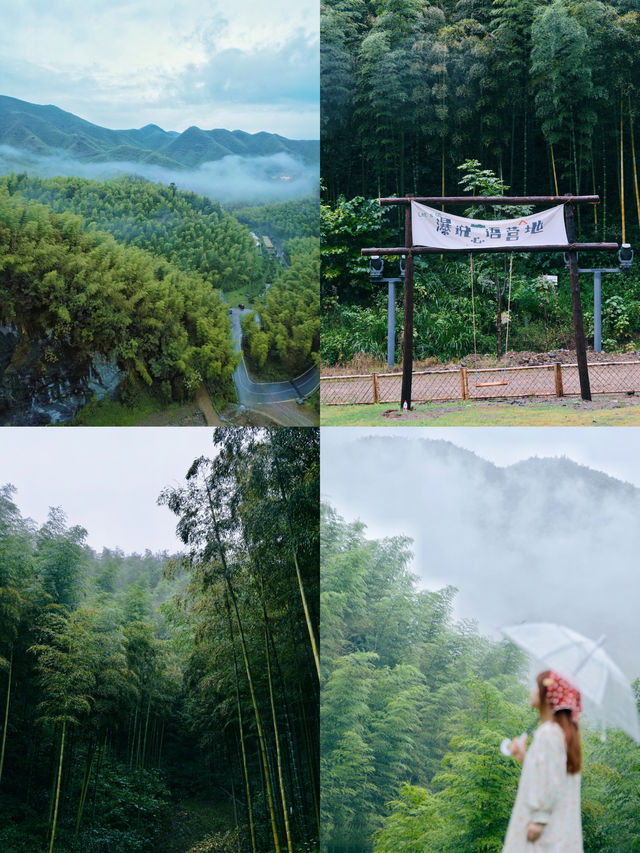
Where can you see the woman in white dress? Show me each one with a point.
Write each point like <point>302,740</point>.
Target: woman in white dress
<point>546,814</point>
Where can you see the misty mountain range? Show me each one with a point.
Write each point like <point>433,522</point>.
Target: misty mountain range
<point>227,166</point>
<point>48,130</point>
<point>544,540</point>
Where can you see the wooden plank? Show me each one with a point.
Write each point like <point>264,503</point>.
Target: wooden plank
<point>407,332</point>
<point>494,199</point>
<point>432,250</point>
<point>576,306</point>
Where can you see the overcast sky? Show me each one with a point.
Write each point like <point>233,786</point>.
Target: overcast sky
<point>613,450</point>
<point>105,479</point>
<point>250,65</point>
<point>532,546</point>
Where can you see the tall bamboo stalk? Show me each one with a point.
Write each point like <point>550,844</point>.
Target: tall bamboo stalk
<point>312,638</point>
<point>57,802</point>
<point>6,713</point>
<point>276,735</point>
<point>624,237</point>
<point>604,191</point>
<point>241,727</point>
<point>146,729</point>
<point>593,177</point>
<point>633,154</point>
<point>232,596</point>
<point>553,164</point>
<point>83,792</point>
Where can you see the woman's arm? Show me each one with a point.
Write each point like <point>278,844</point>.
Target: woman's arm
<point>547,770</point>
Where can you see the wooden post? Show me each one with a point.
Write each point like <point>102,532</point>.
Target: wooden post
<point>376,396</point>
<point>578,326</point>
<point>462,383</point>
<point>557,373</point>
<point>466,383</point>
<point>407,338</point>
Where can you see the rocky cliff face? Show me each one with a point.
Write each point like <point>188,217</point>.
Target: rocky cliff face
<point>39,386</point>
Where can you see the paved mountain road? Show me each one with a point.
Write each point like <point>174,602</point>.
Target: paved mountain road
<point>252,394</point>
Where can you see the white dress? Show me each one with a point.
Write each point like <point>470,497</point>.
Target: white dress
<point>546,794</point>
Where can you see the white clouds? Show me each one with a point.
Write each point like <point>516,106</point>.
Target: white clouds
<point>111,62</point>
<point>276,177</point>
<point>537,542</point>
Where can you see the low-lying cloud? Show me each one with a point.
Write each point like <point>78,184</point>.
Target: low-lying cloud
<point>276,177</point>
<point>540,541</point>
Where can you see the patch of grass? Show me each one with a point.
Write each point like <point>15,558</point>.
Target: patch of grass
<point>247,295</point>
<point>111,413</point>
<point>472,413</point>
<point>193,821</point>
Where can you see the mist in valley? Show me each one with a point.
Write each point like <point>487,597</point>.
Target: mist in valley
<point>254,180</point>
<point>544,539</point>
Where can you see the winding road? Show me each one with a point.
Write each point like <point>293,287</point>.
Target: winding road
<point>267,397</point>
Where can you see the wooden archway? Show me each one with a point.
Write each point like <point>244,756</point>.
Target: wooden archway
<point>572,248</point>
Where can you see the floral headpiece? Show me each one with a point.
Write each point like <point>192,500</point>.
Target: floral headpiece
<point>562,695</point>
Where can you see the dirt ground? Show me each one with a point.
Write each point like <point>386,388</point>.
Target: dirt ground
<point>187,415</point>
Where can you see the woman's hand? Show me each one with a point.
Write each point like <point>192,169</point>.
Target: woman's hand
<point>534,831</point>
<point>518,747</point>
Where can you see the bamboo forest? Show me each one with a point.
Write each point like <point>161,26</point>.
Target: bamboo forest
<point>414,706</point>
<point>134,283</point>
<point>168,702</point>
<point>479,98</point>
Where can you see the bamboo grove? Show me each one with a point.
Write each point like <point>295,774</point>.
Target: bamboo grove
<point>140,690</point>
<point>249,519</point>
<point>545,94</point>
<point>414,707</point>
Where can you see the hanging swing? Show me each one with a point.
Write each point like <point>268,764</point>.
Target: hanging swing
<point>502,381</point>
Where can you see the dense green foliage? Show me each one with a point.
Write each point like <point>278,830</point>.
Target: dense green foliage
<point>284,220</point>
<point>187,229</point>
<point>128,689</point>
<point>288,331</point>
<point>410,90</point>
<point>81,654</point>
<point>249,519</point>
<point>539,93</point>
<point>79,293</point>
<point>354,310</point>
<point>414,707</point>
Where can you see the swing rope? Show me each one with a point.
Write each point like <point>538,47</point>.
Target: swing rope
<point>473,314</point>
<point>506,343</point>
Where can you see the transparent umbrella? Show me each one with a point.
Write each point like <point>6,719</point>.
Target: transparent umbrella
<point>606,693</point>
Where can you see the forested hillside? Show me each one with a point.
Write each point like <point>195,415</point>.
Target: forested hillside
<point>411,90</point>
<point>492,98</point>
<point>287,333</point>
<point>48,130</point>
<point>168,704</point>
<point>414,707</point>
<point>72,293</point>
<point>189,230</point>
<point>286,219</point>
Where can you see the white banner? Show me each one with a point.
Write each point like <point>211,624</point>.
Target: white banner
<point>445,231</point>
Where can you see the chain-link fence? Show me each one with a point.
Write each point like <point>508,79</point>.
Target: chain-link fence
<point>540,380</point>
